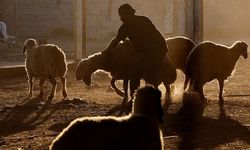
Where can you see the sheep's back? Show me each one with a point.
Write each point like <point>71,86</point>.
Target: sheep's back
<point>47,60</point>
<point>123,57</point>
<point>83,134</point>
<point>178,51</point>
<point>111,133</point>
<point>206,61</point>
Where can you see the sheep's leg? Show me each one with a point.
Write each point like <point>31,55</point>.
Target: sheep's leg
<point>168,100</point>
<point>64,92</point>
<point>191,85</point>
<point>188,84</point>
<point>117,90</point>
<point>125,99</point>
<point>134,84</point>
<point>221,85</point>
<point>41,87</point>
<point>125,88</point>
<point>127,107</point>
<point>187,79</point>
<point>30,86</point>
<point>135,76</point>
<point>53,82</point>
<point>198,87</point>
<point>221,100</point>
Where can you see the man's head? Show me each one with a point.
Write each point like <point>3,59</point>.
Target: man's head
<point>125,12</point>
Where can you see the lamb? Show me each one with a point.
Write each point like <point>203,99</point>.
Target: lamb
<point>45,61</point>
<point>119,65</point>
<point>209,61</point>
<point>139,130</point>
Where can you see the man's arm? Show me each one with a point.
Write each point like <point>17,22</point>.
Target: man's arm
<point>121,35</point>
<point>114,42</point>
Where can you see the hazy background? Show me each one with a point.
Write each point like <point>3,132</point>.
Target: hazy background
<point>223,21</point>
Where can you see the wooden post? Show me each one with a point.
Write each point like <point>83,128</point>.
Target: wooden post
<point>79,28</point>
<point>198,21</point>
<point>110,7</point>
<point>84,31</point>
<point>189,19</point>
<point>16,21</point>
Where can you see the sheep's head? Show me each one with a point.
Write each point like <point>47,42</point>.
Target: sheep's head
<point>242,46</point>
<point>83,73</point>
<point>29,43</point>
<point>148,102</point>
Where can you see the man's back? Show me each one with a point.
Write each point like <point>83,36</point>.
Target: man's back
<point>143,34</point>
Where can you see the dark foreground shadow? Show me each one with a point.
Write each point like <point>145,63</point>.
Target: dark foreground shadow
<point>30,113</point>
<point>198,132</point>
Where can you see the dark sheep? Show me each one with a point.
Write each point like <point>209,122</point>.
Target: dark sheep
<point>139,130</point>
<point>118,64</point>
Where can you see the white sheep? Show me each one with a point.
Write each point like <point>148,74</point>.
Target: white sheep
<point>139,130</point>
<point>209,61</point>
<point>45,62</point>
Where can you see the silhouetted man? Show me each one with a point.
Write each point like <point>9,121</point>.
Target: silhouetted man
<point>147,40</point>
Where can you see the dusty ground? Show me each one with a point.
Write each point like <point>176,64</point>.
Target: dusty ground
<point>34,123</point>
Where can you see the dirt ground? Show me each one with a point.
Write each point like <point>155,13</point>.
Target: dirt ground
<point>33,123</point>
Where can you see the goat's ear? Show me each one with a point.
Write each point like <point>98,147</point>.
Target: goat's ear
<point>24,49</point>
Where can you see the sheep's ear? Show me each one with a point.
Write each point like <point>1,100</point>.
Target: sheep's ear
<point>24,49</point>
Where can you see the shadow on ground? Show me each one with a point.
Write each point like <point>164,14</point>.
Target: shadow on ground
<point>199,132</point>
<point>31,113</point>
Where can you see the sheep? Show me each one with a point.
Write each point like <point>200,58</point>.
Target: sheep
<point>45,61</point>
<point>178,49</point>
<point>209,61</point>
<point>139,130</point>
<point>119,63</point>
<point>117,67</point>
